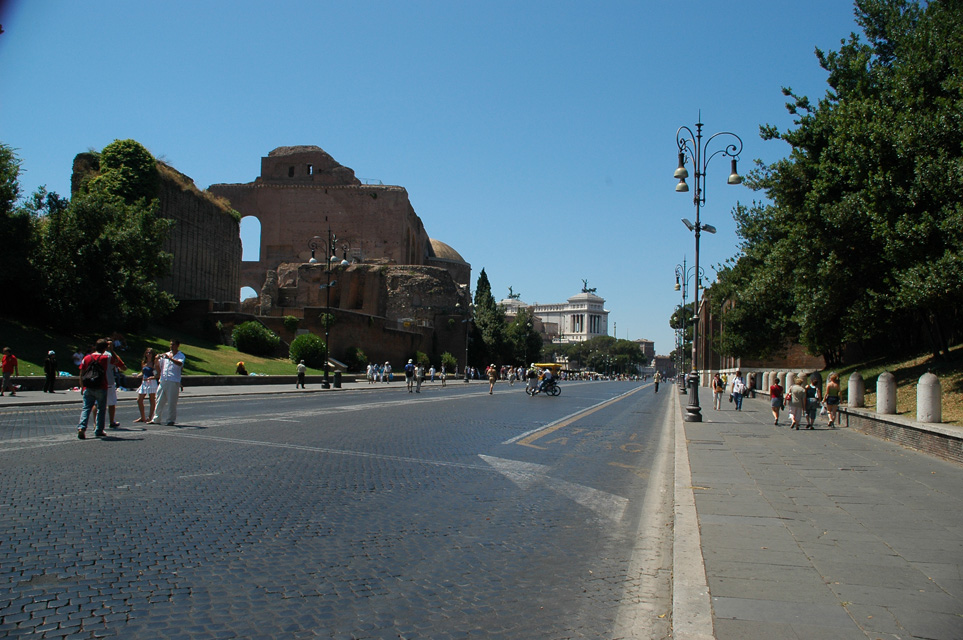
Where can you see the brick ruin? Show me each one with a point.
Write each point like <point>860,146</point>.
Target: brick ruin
<point>205,239</point>
<point>400,292</point>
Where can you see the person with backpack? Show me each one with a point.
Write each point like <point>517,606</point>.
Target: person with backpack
<point>409,374</point>
<point>93,382</point>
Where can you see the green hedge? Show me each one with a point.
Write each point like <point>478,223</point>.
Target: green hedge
<point>310,348</point>
<point>254,338</point>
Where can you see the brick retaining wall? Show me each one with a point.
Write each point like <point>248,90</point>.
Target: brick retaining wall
<point>943,441</point>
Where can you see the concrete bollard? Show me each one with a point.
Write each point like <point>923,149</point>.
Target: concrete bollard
<point>856,392</point>
<point>886,393</point>
<point>929,398</point>
<point>781,377</point>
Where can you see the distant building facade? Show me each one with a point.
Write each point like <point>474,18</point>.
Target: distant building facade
<point>582,317</point>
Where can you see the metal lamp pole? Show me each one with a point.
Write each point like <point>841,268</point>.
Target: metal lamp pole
<point>692,148</point>
<point>682,276</point>
<point>331,249</point>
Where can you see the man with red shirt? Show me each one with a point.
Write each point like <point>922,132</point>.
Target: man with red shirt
<point>10,368</point>
<point>95,394</point>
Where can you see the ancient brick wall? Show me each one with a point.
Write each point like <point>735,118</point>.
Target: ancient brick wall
<point>205,241</point>
<point>302,193</point>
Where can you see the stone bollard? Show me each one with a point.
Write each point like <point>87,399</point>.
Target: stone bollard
<point>856,392</point>
<point>781,377</point>
<point>929,398</point>
<point>886,393</point>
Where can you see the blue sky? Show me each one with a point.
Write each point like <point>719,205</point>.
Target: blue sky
<point>536,138</point>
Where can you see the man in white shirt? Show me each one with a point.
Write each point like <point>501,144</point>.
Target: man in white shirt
<point>171,364</point>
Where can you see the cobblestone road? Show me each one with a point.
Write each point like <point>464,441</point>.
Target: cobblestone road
<point>449,514</point>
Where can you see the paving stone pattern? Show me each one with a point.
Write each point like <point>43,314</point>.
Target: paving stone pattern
<point>825,533</point>
<point>309,522</point>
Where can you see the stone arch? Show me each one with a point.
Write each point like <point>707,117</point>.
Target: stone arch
<point>248,292</point>
<point>250,239</point>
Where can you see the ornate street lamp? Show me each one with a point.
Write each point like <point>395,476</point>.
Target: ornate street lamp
<point>330,248</point>
<point>692,148</point>
<point>682,277</point>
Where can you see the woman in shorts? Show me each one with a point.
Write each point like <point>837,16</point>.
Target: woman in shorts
<point>775,399</point>
<point>148,384</point>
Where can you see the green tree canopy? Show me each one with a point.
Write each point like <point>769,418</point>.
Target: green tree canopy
<point>861,237</point>
<point>489,320</point>
<point>92,262</point>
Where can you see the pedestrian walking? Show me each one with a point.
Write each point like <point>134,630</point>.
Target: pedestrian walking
<point>492,377</point>
<point>738,390</point>
<point>657,379</point>
<point>813,401</point>
<point>444,376</point>
<point>302,369</point>
<point>114,364</point>
<point>410,375</point>
<point>776,399</point>
<point>796,399</point>
<point>419,376</point>
<point>171,365</point>
<point>9,367</point>
<point>49,372</point>
<point>718,388</point>
<point>832,398</point>
<point>148,384</point>
<point>93,384</point>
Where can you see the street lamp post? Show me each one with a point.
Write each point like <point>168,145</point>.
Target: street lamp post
<point>692,148</point>
<point>682,276</point>
<point>331,249</point>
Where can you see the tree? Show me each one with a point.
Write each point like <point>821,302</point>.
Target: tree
<point>524,342</point>
<point>861,238</point>
<point>18,240</point>
<point>489,320</point>
<point>100,257</point>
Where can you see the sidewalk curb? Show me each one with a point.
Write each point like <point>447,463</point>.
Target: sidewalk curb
<point>691,606</point>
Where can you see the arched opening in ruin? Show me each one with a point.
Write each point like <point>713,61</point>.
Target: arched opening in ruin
<point>247,292</point>
<point>250,239</point>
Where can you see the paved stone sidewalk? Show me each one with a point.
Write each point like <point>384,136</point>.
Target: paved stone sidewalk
<point>826,533</point>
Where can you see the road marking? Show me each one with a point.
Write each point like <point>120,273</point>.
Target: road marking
<point>337,452</point>
<point>643,608</point>
<point>527,475</point>
<point>526,439</point>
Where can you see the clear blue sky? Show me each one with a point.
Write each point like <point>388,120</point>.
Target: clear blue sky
<point>536,138</point>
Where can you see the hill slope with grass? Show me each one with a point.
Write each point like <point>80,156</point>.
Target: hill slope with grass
<point>204,357</point>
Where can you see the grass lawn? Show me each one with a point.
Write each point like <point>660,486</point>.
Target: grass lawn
<point>31,345</point>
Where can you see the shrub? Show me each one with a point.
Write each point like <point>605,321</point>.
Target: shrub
<point>448,361</point>
<point>254,338</point>
<point>310,348</point>
<point>422,359</point>
<point>291,323</point>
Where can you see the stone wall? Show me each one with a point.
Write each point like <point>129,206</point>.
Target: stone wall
<point>302,193</point>
<point>205,241</point>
